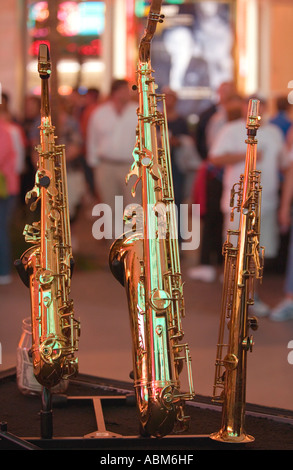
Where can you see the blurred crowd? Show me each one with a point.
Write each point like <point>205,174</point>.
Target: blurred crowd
<point>99,134</point>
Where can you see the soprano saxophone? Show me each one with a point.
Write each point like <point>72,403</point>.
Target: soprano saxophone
<point>46,266</point>
<point>147,264</point>
<point>243,265</point>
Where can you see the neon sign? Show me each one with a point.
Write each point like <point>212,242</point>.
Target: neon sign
<point>80,26</point>
<point>75,19</point>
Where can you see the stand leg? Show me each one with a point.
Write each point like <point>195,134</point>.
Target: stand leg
<point>46,415</point>
<point>18,441</point>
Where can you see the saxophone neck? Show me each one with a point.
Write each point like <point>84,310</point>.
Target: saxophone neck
<point>253,119</point>
<point>44,69</point>
<point>153,18</point>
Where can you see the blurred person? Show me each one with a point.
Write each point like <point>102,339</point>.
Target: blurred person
<point>284,310</point>
<point>92,98</point>
<point>5,108</point>
<point>207,189</point>
<point>16,131</point>
<point>214,35</point>
<point>229,152</point>
<point>76,103</point>
<point>32,117</point>
<point>71,137</point>
<point>224,92</point>
<point>183,64</point>
<point>9,191</point>
<point>282,118</point>
<point>30,125</point>
<point>110,143</point>
<point>184,157</point>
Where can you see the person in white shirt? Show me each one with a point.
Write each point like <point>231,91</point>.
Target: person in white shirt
<point>111,138</point>
<point>229,151</point>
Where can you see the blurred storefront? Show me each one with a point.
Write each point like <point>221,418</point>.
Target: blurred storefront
<point>199,45</point>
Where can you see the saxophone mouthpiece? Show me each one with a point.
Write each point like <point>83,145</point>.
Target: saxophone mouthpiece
<point>253,118</point>
<point>44,63</point>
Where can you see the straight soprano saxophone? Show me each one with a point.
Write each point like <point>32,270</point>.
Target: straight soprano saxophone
<point>146,262</point>
<point>243,264</point>
<point>47,265</point>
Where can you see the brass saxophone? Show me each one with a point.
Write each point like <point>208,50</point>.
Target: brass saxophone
<point>243,265</point>
<point>146,262</point>
<point>47,265</point>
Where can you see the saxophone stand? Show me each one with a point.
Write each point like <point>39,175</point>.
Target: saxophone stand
<point>46,414</point>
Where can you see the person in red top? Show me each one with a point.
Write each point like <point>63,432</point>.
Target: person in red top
<point>9,190</point>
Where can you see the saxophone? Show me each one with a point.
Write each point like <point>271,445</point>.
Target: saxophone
<point>243,264</point>
<point>46,266</point>
<point>146,262</point>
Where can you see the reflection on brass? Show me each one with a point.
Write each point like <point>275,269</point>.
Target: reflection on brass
<point>243,264</point>
<point>147,263</point>
<point>47,265</point>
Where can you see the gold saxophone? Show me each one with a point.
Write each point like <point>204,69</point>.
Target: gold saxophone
<point>146,262</point>
<point>243,264</point>
<point>47,265</point>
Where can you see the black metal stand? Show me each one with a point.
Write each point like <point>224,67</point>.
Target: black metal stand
<point>46,414</point>
<point>101,427</point>
<point>46,439</point>
<point>102,438</point>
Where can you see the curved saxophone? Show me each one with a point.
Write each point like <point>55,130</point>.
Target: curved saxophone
<point>146,262</point>
<point>47,265</point>
<point>243,264</point>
